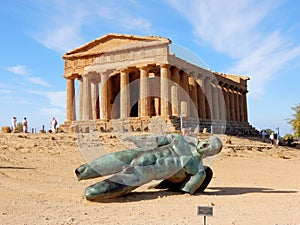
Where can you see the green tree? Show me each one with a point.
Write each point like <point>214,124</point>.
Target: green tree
<point>295,121</point>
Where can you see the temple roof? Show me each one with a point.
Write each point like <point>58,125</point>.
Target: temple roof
<point>110,42</point>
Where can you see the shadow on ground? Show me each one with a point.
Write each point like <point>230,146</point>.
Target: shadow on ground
<point>16,167</point>
<point>243,190</point>
<point>137,196</point>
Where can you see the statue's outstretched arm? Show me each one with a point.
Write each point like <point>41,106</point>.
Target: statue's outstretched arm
<point>106,164</point>
<point>169,138</point>
<point>194,182</point>
<point>164,141</point>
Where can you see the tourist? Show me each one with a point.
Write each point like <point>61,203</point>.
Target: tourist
<point>25,125</point>
<point>14,123</point>
<point>263,135</point>
<point>276,139</point>
<point>272,138</point>
<point>53,125</point>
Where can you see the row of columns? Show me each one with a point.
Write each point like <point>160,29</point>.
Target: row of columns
<point>201,97</point>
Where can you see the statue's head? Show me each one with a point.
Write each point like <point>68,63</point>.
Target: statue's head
<point>210,146</point>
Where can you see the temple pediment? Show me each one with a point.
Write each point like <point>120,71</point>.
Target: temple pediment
<point>111,42</point>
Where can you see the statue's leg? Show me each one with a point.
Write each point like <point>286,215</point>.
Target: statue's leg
<point>166,184</point>
<point>117,185</point>
<point>107,189</point>
<point>208,177</point>
<point>106,164</point>
<point>175,182</point>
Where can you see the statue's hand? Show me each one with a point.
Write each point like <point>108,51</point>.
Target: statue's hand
<point>194,182</point>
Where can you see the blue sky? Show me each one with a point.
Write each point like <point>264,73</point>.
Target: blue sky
<point>258,39</point>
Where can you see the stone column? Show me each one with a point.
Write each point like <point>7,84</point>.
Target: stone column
<point>95,100</point>
<point>70,94</point>
<point>232,105</point>
<point>124,94</point>
<point>194,100</point>
<point>86,99</point>
<point>215,100</point>
<point>80,81</point>
<point>185,98</point>
<point>201,99</point>
<point>145,101</point>
<point>156,106</point>
<point>164,90</point>
<point>104,97</point>
<point>174,92</point>
<point>227,103</point>
<point>244,95</point>
<point>208,94</point>
<point>113,98</point>
<point>237,106</point>
<point>241,106</point>
<point>222,103</point>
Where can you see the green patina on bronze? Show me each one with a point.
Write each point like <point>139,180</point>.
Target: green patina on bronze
<point>176,160</point>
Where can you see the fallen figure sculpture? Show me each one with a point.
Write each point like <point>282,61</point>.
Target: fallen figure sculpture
<point>175,161</point>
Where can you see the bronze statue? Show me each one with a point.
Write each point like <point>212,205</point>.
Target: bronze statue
<point>176,161</point>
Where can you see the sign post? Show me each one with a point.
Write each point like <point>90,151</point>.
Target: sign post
<point>205,211</point>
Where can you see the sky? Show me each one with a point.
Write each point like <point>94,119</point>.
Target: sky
<point>258,39</point>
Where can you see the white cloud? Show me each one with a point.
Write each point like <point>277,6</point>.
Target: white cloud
<point>136,23</point>
<point>62,28</point>
<point>5,91</point>
<point>23,71</point>
<point>61,39</point>
<point>56,99</point>
<point>59,24</point>
<point>37,81</point>
<point>19,70</point>
<point>123,18</point>
<point>53,112</point>
<point>235,28</point>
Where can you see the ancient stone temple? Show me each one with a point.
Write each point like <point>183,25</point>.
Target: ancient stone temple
<point>136,83</point>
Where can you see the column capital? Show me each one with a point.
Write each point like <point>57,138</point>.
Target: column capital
<point>144,67</point>
<point>167,66</point>
<point>244,92</point>
<point>175,69</point>
<point>125,70</point>
<point>201,76</point>
<point>199,82</point>
<point>71,76</point>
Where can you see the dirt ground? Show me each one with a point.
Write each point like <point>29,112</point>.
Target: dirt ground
<point>253,183</point>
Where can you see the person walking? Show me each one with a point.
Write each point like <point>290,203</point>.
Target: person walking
<point>272,138</point>
<point>14,124</point>
<point>25,125</point>
<point>53,125</point>
<point>263,135</point>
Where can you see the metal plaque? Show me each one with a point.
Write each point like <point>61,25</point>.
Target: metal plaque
<point>205,211</point>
